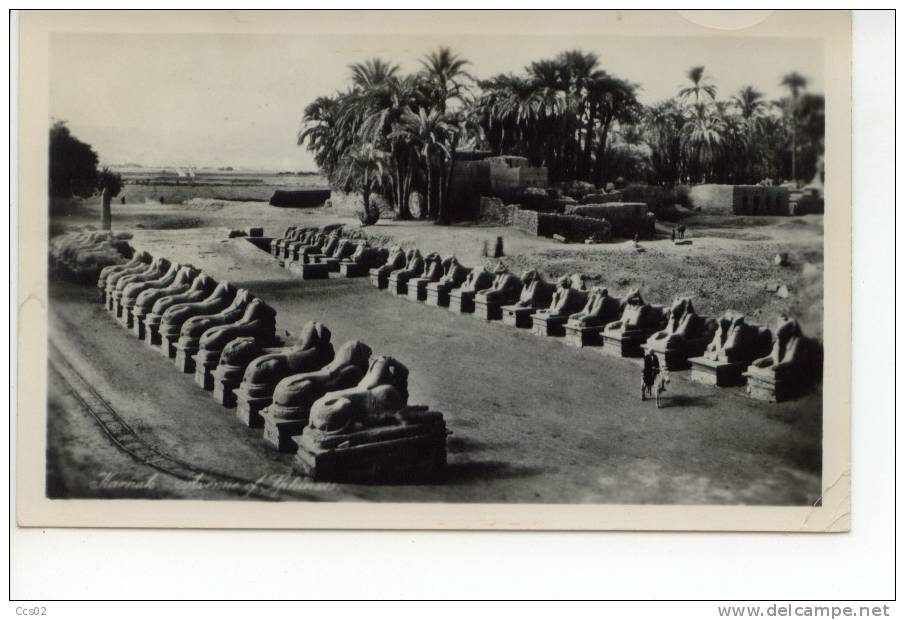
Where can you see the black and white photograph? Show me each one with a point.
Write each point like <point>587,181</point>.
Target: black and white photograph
<point>462,269</point>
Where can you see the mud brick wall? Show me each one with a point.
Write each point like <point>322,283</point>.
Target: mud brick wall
<point>301,198</point>
<point>573,227</point>
<point>626,218</point>
<point>739,199</point>
<point>527,221</point>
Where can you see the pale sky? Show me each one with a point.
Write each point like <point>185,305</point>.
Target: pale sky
<point>237,100</point>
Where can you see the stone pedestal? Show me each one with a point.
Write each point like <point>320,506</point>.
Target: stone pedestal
<point>379,280</point>
<point>117,309</point>
<point>626,343</point>
<point>226,379</point>
<point>670,359</point>
<point>108,301</point>
<point>351,270</point>
<point>281,433</point>
<point>488,310</point>
<point>418,289</point>
<point>125,317</point>
<point>398,287</point>
<point>543,324</point>
<point>152,327</point>
<point>250,405</point>
<point>720,374</point>
<point>408,453</point>
<point>138,325</point>
<point>461,302</point>
<point>309,259</point>
<point>169,337</point>
<point>767,386</point>
<point>185,358</point>
<point>312,271</point>
<point>578,336</point>
<point>437,295</point>
<point>516,316</point>
<point>205,364</point>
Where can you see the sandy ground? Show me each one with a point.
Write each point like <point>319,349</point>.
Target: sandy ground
<point>532,419</point>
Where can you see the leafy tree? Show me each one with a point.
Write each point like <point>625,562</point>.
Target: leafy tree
<point>73,164</point>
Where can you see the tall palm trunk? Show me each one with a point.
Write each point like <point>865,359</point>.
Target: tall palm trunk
<point>106,219</point>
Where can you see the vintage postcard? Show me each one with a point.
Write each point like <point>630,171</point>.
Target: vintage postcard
<point>434,270</point>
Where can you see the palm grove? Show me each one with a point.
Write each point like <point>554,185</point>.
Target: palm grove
<point>392,135</point>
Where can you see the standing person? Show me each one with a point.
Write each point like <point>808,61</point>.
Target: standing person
<point>672,234</point>
<point>649,372</point>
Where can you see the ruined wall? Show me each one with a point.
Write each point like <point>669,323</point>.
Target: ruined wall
<point>739,199</point>
<point>301,198</point>
<point>626,218</point>
<point>572,227</point>
<point>494,211</point>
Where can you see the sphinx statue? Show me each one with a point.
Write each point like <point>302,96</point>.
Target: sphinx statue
<point>362,260</point>
<point>396,259</point>
<point>462,299</point>
<point>80,257</point>
<point>585,327</point>
<point>172,318</point>
<point>454,275</point>
<point>256,320</point>
<point>276,245</point>
<point>536,295</point>
<point>312,246</point>
<point>504,290</point>
<point>260,376</point>
<point>570,297</point>
<point>202,317</point>
<point>354,434</point>
<point>304,237</point>
<point>201,287</point>
<point>794,364</point>
<point>639,321</point>
<point>293,396</point>
<point>399,278</point>
<point>139,262</point>
<point>734,346</point>
<point>157,269</point>
<point>686,335</point>
<point>322,266</point>
<point>132,290</point>
<point>179,283</point>
<point>434,267</point>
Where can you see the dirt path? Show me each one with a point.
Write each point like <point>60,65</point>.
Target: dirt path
<point>533,420</point>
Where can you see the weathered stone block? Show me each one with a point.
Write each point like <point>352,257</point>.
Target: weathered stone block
<point>352,270</point>
<point>549,325</point>
<point>487,310</point>
<point>578,336</point>
<point>627,343</point>
<point>414,451</point>
<point>720,374</point>
<point>517,316</point>
<point>462,302</point>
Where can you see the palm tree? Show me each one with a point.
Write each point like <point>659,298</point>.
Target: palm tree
<point>796,83</point>
<point>699,86</point>
<point>444,72</point>
<point>750,102</point>
<point>362,169</point>
<point>431,134</point>
<point>372,73</point>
